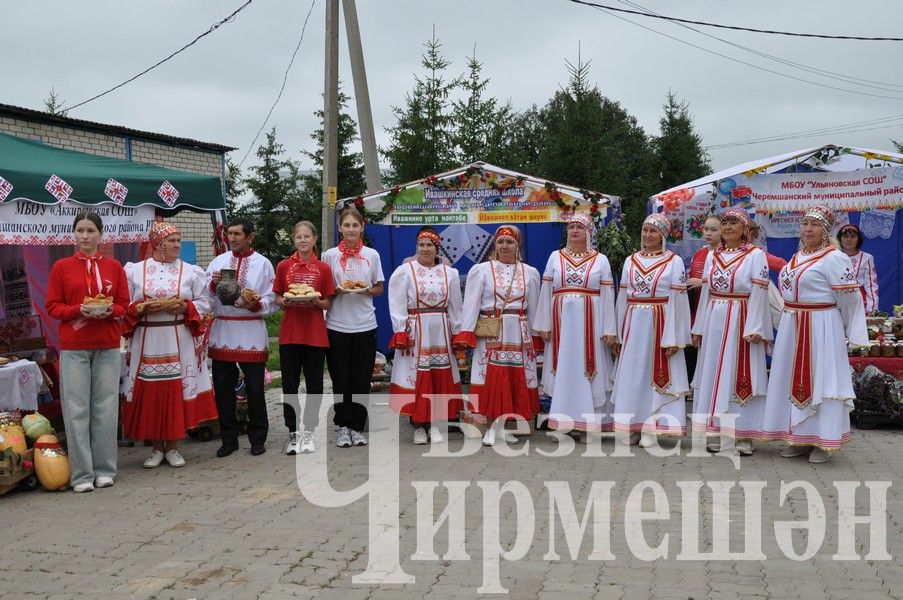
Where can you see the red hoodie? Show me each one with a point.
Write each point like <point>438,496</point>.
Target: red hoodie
<point>66,291</point>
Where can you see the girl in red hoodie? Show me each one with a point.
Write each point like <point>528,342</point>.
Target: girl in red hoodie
<point>89,353</point>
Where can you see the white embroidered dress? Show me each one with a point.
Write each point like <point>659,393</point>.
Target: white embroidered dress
<point>867,277</point>
<point>653,315</point>
<point>238,334</point>
<point>576,305</point>
<point>425,306</point>
<point>164,355</point>
<point>731,375</point>
<point>511,290</point>
<point>810,391</point>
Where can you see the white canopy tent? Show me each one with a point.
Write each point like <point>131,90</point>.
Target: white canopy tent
<point>829,157</point>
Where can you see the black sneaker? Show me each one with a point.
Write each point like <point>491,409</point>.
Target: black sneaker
<point>226,450</point>
<point>257,450</point>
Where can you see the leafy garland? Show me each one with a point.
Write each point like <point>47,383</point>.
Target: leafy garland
<point>492,180</point>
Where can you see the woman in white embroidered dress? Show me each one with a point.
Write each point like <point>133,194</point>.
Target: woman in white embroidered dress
<point>851,239</point>
<point>503,372</point>
<point>168,389</point>
<point>576,317</point>
<point>730,330</point>
<point>425,309</point>
<point>810,391</point>
<point>654,327</point>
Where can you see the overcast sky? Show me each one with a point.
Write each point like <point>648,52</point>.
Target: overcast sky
<point>220,89</point>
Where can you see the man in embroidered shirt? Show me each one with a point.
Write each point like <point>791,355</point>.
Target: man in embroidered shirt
<point>238,336</point>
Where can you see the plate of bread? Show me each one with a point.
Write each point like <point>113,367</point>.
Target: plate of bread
<point>97,305</point>
<point>159,303</point>
<point>355,285</point>
<point>300,292</point>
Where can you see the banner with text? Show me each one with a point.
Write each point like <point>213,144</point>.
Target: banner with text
<point>843,191</point>
<point>24,223</point>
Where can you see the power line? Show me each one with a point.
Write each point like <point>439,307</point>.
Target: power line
<point>743,62</point>
<point>881,123</point>
<point>736,28</point>
<point>284,80</point>
<point>213,28</point>
<point>866,83</point>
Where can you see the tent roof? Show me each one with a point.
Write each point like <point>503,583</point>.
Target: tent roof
<point>567,190</point>
<point>28,166</point>
<point>843,158</point>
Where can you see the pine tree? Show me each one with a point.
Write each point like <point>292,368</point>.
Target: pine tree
<point>590,141</point>
<point>517,141</point>
<point>350,167</point>
<point>422,138</point>
<point>277,199</point>
<point>234,189</point>
<point>53,104</point>
<point>480,125</point>
<point>679,154</point>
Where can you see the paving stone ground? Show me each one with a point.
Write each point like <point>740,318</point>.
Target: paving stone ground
<point>238,527</point>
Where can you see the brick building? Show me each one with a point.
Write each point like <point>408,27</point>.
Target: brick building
<point>128,144</point>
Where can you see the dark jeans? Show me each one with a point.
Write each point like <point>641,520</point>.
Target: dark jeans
<point>293,358</point>
<point>225,376</point>
<point>350,359</point>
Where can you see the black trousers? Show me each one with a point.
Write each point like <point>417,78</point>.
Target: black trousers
<point>293,358</point>
<point>225,376</point>
<point>350,358</point>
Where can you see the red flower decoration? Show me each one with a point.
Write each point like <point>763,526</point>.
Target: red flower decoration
<point>462,178</point>
<point>359,202</point>
<point>594,208</point>
<point>396,189</point>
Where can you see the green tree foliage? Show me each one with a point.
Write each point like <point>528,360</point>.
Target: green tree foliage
<point>423,136</point>
<point>53,104</point>
<point>590,141</point>
<point>679,155</point>
<point>234,189</point>
<point>350,166</point>
<point>481,126</point>
<point>277,201</point>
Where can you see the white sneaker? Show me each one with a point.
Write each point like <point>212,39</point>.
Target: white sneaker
<point>489,437</point>
<point>714,446</point>
<point>647,440</point>
<point>420,436</point>
<point>174,458</point>
<point>512,439</point>
<point>631,440</point>
<point>818,456</point>
<point>745,447</point>
<point>103,481</point>
<point>83,487</point>
<point>358,438</point>
<point>292,445</point>
<point>792,451</point>
<point>436,435</point>
<point>343,439</point>
<point>154,460</point>
<point>307,443</point>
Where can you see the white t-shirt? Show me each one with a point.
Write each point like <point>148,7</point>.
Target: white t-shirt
<point>353,313</point>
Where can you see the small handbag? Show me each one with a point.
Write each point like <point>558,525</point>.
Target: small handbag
<point>489,326</point>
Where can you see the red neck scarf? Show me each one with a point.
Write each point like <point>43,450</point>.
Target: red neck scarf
<point>92,271</point>
<point>349,252</point>
<point>299,263</point>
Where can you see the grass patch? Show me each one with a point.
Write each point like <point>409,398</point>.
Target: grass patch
<point>273,358</point>
<point>273,322</point>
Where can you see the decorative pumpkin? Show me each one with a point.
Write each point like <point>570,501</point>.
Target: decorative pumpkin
<point>36,425</point>
<point>13,436</point>
<point>51,463</point>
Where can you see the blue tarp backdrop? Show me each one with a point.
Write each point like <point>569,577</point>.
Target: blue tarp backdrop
<point>395,243</point>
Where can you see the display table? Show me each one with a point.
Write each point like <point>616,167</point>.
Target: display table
<point>893,366</point>
<point>19,384</point>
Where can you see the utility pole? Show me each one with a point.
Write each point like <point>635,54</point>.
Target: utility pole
<point>330,123</point>
<point>362,96</point>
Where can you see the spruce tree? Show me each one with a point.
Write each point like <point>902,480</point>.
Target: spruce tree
<point>422,138</point>
<point>277,199</point>
<point>480,125</point>
<point>679,154</point>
